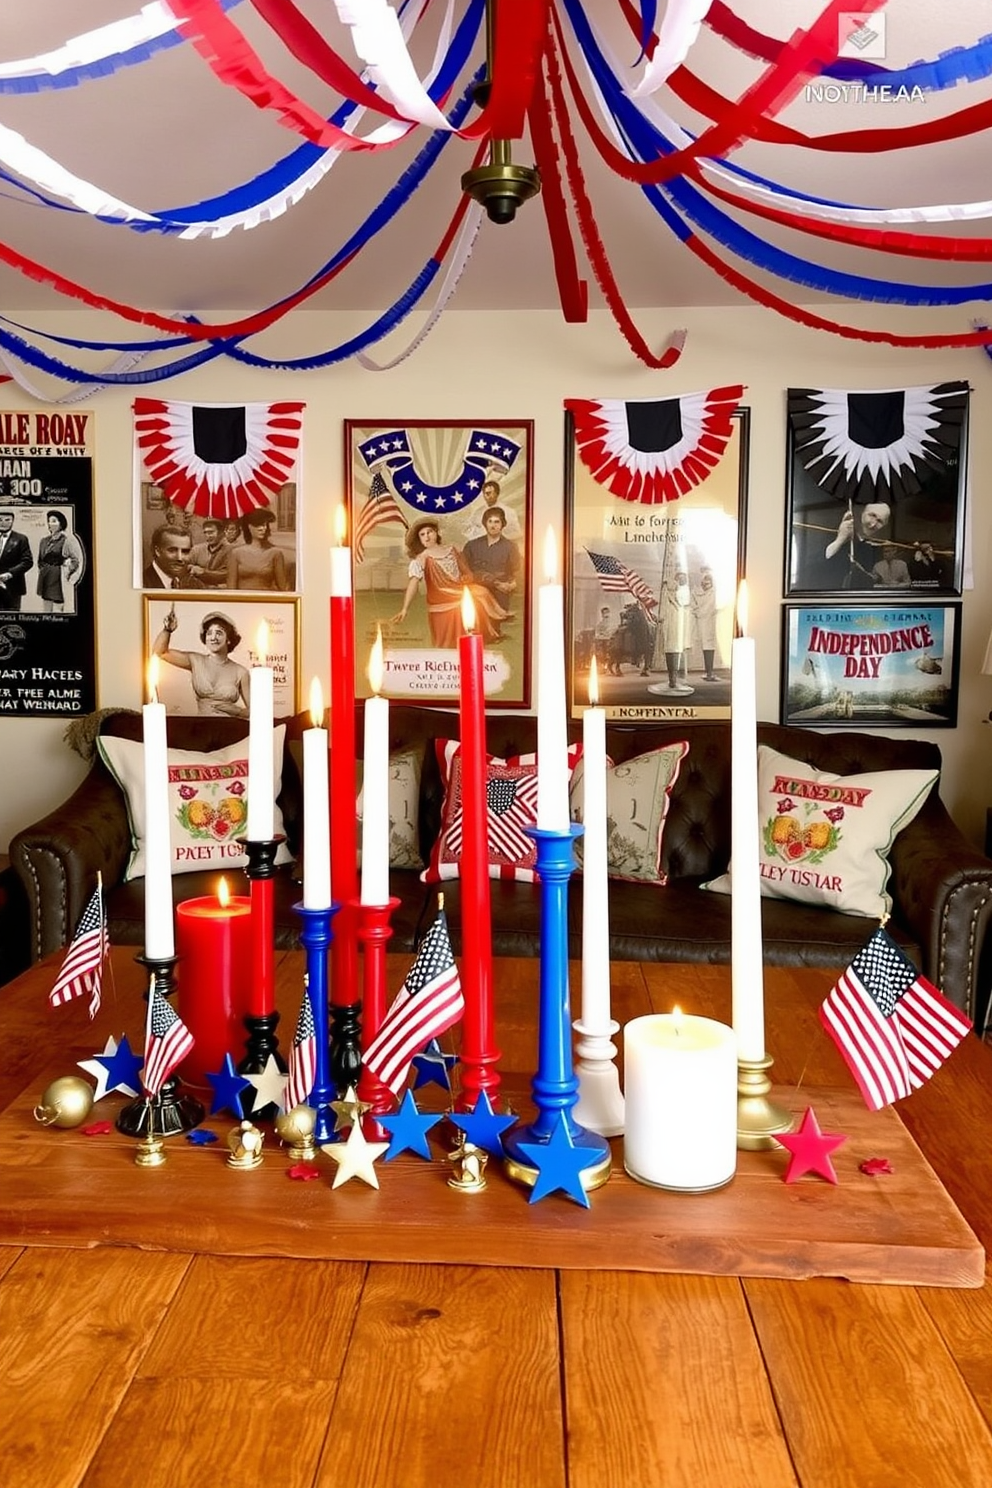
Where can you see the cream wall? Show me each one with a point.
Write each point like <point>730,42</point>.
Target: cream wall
<point>513,366</point>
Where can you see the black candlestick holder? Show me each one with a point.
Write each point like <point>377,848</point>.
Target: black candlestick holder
<point>173,1110</point>
<point>262,1043</point>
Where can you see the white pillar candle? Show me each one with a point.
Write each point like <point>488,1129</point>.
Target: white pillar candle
<point>316,808</point>
<point>595,902</point>
<point>747,974</point>
<point>375,790</point>
<point>552,727</point>
<point>160,941</point>
<point>261,762</point>
<point>680,1091</point>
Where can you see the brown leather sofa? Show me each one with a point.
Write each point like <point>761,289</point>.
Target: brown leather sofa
<point>941,886</point>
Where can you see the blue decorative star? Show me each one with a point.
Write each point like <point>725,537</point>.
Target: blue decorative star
<point>432,1066</point>
<point>482,1126</point>
<point>559,1165</point>
<point>123,1067</point>
<point>228,1088</point>
<point>408,1129</point>
<point>200,1137</point>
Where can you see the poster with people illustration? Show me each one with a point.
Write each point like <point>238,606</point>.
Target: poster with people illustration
<point>47,606</point>
<point>655,513</point>
<point>876,483</point>
<point>436,509</point>
<point>216,493</point>
<point>206,648</point>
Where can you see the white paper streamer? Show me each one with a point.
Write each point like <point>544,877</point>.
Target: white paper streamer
<point>677,33</point>
<point>151,22</point>
<point>464,243</point>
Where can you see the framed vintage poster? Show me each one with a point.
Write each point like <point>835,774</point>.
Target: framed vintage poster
<point>870,666</point>
<point>206,649</point>
<point>875,491</point>
<point>655,526</point>
<point>47,595</point>
<point>216,496</point>
<point>436,507</point>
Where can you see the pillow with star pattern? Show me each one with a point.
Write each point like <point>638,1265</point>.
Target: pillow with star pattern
<point>511,797</point>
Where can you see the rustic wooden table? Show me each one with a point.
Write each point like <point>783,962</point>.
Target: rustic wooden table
<point>123,1363</point>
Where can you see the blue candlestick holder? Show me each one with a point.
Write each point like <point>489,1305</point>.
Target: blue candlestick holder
<point>316,937</point>
<point>555,1088</point>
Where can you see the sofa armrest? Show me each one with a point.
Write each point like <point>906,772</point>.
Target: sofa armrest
<point>942,890</point>
<point>58,858</point>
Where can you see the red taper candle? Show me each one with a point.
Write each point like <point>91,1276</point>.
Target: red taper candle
<point>344,830</point>
<point>479,1054</point>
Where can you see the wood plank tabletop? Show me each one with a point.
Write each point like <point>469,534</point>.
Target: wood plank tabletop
<point>169,1367</point>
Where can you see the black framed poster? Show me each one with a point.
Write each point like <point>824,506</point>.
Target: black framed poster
<point>47,593</point>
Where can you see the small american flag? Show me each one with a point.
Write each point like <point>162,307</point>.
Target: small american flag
<point>429,1002</point>
<point>616,578</point>
<point>82,969</point>
<point>892,1026</point>
<point>167,1043</point>
<point>380,507</point>
<point>302,1057</point>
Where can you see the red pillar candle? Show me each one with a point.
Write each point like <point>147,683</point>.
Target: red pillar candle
<point>344,830</point>
<point>213,943</point>
<point>479,1054</point>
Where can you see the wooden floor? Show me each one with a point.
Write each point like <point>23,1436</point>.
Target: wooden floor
<point>122,1365</point>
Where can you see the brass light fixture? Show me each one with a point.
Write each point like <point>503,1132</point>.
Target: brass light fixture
<point>501,187</point>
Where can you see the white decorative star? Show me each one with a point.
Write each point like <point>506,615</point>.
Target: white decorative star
<point>269,1085</point>
<point>356,1158</point>
<point>100,1071</point>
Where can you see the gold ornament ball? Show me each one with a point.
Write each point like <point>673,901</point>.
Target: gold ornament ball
<point>67,1102</point>
<point>297,1125</point>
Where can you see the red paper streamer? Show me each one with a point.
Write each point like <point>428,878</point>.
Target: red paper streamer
<point>309,47</point>
<point>516,49</point>
<point>753,291</point>
<point>972,120</point>
<point>885,240</point>
<point>573,292</point>
<point>593,242</point>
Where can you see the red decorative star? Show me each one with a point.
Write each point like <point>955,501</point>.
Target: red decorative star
<point>875,1165</point>
<point>302,1172</point>
<point>810,1149</point>
<point>97,1129</point>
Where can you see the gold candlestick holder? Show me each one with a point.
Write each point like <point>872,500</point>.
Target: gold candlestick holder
<point>759,1119</point>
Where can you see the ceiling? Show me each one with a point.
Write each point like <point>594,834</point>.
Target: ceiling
<point>168,132</point>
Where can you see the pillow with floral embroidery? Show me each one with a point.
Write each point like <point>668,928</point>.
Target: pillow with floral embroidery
<point>825,839</point>
<point>208,802</point>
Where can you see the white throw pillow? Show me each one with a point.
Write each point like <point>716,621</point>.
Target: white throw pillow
<point>208,802</point>
<point>825,839</point>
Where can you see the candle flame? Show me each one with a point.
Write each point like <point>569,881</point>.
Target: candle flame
<point>468,611</point>
<point>593,683</point>
<point>153,679</point>
<point>262,642</point>
<point>316,703</point>
<point>340,526</point>
<point>377,665</point>
<point>742,608</point>
<point>223,894</point>
<point>550,556</point>
<point>677,1019</point>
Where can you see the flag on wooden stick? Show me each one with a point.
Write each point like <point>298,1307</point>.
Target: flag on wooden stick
<point>82,969</point>
<point>893,1027</point>
<point>429,1002</point>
